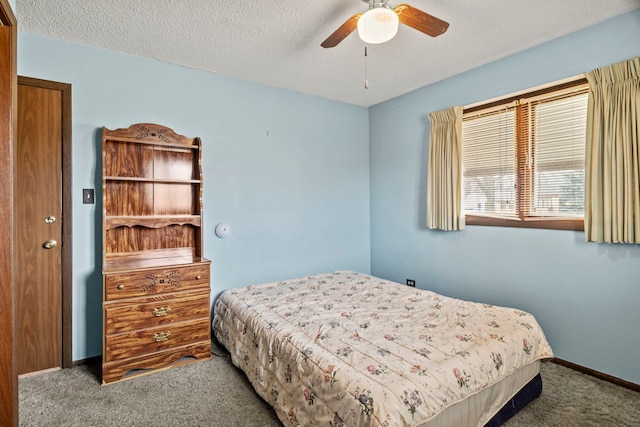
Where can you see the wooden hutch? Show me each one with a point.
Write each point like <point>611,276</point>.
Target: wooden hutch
<point>156,292</point>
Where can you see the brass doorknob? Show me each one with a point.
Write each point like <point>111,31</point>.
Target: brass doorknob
<point>50,244</point>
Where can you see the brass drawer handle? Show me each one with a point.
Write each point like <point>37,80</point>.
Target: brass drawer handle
<point>161,336</point>
<point>162,311</point>
<point>120,286</point>
<point>198,277</point>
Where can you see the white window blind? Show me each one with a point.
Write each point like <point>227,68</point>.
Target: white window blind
<point>560,132</point>
<point>489,163</point>
<point>523,158</point>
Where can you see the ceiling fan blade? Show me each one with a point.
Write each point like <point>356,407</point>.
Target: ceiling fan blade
<point>421,21</point>
<point>342,32</point>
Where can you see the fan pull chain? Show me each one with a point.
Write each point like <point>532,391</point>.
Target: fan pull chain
<point>366,69</point>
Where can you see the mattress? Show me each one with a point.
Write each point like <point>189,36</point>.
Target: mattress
<point>349,349</point>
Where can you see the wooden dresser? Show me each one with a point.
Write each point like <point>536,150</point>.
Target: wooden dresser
<point>156,299</point>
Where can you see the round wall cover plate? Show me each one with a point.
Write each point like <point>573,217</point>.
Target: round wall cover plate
<point>223,230</point>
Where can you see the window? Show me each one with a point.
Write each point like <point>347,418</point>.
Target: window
<point>523,159</point>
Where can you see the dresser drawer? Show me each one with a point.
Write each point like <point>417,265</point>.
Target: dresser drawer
<point>155,281</point>
<point>155,311</point>
<point>136,343</point>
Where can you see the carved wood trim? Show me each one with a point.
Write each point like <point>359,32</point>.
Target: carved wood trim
<point>149,132</point>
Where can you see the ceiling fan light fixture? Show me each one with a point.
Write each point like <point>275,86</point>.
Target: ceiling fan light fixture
<point>378,24</point>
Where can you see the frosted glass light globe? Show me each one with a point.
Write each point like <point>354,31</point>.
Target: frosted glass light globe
<point>378,25</point>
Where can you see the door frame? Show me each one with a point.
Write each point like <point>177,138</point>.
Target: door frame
<point>8,294</point>
<point>66,252</point>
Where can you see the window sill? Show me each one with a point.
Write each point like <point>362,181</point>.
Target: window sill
<point>574,224</point>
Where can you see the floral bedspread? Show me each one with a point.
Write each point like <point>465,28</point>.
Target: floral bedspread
<point>348,349</point>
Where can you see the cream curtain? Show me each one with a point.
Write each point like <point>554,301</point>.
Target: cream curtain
<point>444,184</point>
<point>612,169</point>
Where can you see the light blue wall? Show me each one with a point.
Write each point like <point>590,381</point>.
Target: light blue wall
<point>585,295</point>
<point>289,172</point>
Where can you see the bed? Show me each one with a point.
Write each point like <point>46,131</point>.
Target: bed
<point>349,349</point>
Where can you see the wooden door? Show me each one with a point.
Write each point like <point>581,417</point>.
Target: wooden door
<point>38,207</point>
<point>8,377</point>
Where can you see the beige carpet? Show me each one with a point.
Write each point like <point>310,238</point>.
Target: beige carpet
<point>215,393</point>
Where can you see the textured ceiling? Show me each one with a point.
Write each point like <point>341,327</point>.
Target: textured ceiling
<point>277,43</point>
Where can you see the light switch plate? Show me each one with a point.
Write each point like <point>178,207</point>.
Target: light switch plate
<point>88,196</point>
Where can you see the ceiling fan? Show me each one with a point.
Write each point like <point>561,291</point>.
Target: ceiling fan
<point>380,23</point>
